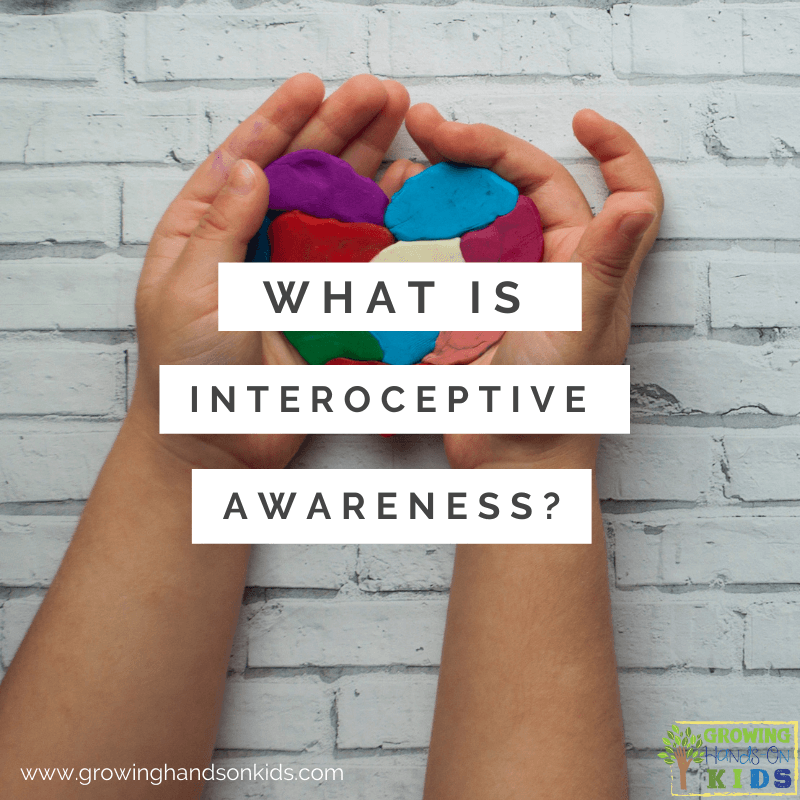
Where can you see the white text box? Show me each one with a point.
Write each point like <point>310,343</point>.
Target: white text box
<point>395,399</point>
<point>446,506</point>
<point>548,296</point>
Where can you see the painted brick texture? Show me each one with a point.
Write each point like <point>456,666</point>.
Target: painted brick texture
<point>108,106</point>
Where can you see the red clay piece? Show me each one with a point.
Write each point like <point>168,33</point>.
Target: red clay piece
<point>351,361</point>
<point>296,236</point>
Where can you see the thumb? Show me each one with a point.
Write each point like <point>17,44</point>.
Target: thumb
<point>610,249</point>
<point>228,224</point>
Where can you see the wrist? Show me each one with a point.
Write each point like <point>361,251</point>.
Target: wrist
<point>551,451</point>
<point>186,451</point>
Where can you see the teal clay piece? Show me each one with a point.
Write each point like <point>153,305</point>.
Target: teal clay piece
<point>447,200</point>
<point>405,347</point>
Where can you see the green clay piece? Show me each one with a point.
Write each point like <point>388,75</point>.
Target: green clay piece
<point>319,347</point>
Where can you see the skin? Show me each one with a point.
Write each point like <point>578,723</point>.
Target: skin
<point>126,660</point>
<point>528,700</point>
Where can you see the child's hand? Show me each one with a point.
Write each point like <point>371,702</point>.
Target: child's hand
<point>610,246</point>
<point>212,219</point>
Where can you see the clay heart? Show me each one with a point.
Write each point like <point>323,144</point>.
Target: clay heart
<point>322,210</point>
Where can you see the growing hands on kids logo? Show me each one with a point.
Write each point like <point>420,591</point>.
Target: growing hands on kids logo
<point>126,660</point>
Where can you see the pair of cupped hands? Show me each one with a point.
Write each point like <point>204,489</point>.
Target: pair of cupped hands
<point>223,204</point>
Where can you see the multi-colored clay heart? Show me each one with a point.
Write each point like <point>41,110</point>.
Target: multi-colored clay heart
<point>322,210</point>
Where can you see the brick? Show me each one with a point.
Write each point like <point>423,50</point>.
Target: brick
<point>545,117</point>
<point>391,712</point>
<point>56,464</point>
<point>353,781</point>
<point>761,290</point>
<point>726,202</point>
<point>144,201</point>
<point>665,290</point>
<point>16,615</point>
<point>770,40</point>
<point>295,633</point>
<point>675,634</point>
<point>715,377</point>
<point>667,548</point>
<point>650,465</point>
<point>590,182</point>
<point>311,566</point>
<point>99,130</point>
<point>57,208</point>
<point>237,662</point>
<point>191,46</point>
<point>42,377</point>
<point>650,40</point>
<point>407,42</point>
<point>771,641</point>
<point>69,293</point>
<point>755,124</point>
<point>763,465</point>
<point>61,47</point>
<point>13,134</point>
<point>31,548</point>
<point>405,567</point>
<point>132,356</point>
<point>273,715</point>
<point>652,703</point>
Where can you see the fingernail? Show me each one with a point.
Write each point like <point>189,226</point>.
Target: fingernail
<point>241,179</point>
<point>634,225</point>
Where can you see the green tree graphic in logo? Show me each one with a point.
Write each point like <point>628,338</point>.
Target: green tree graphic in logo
<point>683,748</point>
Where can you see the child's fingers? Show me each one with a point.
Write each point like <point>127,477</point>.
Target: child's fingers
<point>627,172</point>
<point>366,152</point>
<point>224,230</point>
<point>261,138</point>
<point>422,120</point>
<point>558,197</point>
<point>609,250</point>
<point>397,174</point>
<point>623,163</point>
<point>343,116</point>
<point>293,117</point>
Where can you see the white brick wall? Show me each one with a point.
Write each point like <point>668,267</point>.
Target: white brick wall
<point>98,130</point>
<point>58,48</point>
<point>274,715</point>
<point>298,633</point>
<point>103,115</point>
<point>57,208</point>
<point>749,291</point>
<point>69,294</point>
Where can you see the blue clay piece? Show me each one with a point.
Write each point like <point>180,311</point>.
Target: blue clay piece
<point>405,347</point>
<point>324,186</point>
<point>447,200</point>
<point>258,247</point>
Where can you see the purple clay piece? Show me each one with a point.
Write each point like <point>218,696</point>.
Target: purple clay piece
<point>324,186</point>
<point>516,236</point>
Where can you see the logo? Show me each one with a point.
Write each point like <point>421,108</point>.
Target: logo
<point>681,748</point>
<point>733,759</point>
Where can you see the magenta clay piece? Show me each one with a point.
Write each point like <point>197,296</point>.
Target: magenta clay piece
<point>516,236</point>
<point>324,186</point>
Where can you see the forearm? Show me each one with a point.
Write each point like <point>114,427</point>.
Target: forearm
<point>528,700</point>
<point>125,662</point>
